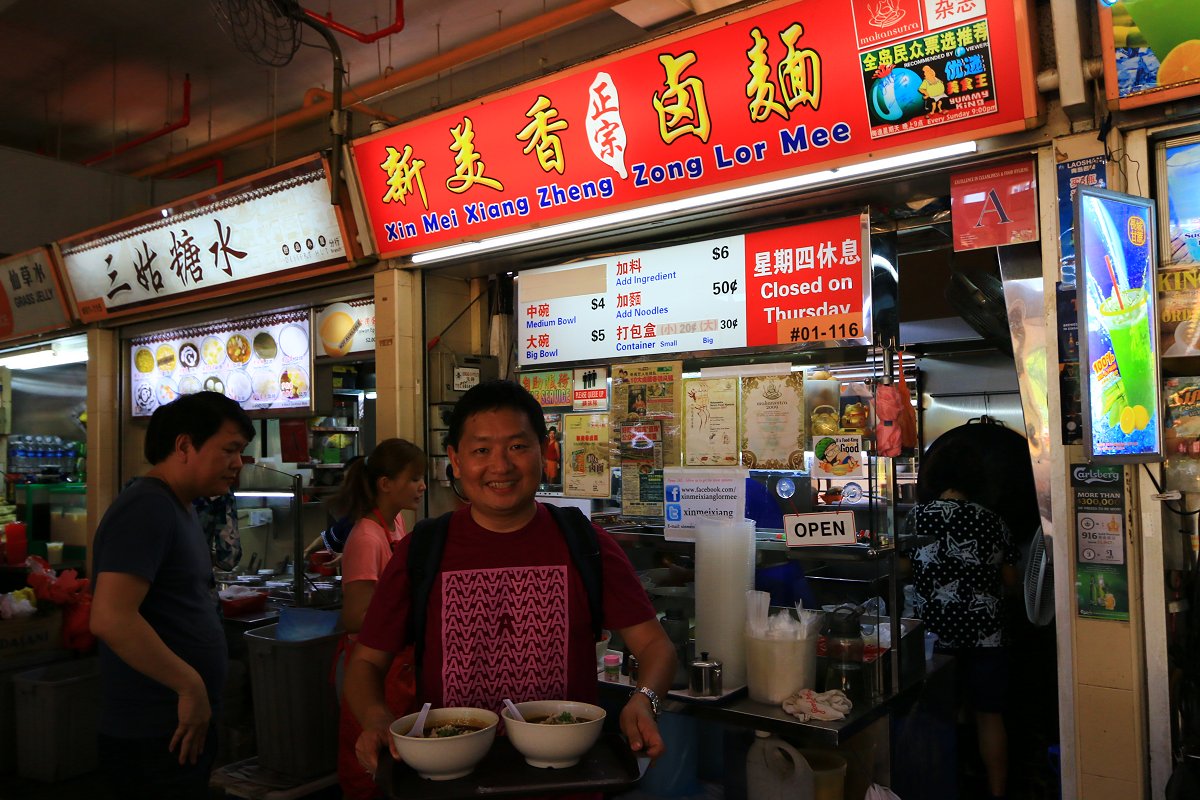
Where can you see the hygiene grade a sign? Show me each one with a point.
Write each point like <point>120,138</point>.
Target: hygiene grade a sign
<point>801,285</point>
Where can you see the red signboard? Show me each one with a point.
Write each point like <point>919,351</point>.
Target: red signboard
<point>994,206</point>
<point>791,89</point>
<point>806,283</point>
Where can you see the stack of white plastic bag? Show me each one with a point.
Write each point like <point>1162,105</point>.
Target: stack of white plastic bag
<point>781,651</point>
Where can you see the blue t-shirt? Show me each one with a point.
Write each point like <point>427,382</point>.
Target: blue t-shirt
<point>147,532</point>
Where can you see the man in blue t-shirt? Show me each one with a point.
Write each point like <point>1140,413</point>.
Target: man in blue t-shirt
<point>162,648</point>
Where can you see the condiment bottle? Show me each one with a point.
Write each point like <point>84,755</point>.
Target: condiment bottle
<point>612,667</point>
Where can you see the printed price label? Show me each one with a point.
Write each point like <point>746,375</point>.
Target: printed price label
<point>820,329</point>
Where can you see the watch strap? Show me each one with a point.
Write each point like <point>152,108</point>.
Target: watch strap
<point>652,696</point>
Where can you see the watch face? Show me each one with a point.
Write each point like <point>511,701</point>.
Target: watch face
<point>785,488</point>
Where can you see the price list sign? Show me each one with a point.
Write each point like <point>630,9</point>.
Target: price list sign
<point>805,284</point>
<point>1101,575</point>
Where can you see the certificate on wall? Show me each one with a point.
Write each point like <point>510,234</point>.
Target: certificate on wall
<point>710,422</point>
<point>642,469</point>
<point>650,391</point>
<point>586,463</point>
<point>772,421</point>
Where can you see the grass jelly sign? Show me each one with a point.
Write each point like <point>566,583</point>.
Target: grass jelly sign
<point>1116,259</point>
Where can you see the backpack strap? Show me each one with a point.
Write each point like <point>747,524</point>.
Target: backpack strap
<point>584,547</point>
<point>424,562</point>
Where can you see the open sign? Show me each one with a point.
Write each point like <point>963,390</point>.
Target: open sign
<point>820,530</point>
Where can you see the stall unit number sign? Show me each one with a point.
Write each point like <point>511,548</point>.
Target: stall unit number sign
<point>803,284</point>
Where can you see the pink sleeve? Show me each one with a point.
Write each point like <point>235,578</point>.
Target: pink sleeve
<point>366,553</point>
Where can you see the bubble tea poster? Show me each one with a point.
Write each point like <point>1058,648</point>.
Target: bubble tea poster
<point>1116,260</point>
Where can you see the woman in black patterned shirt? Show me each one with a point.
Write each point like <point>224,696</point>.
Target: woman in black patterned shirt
<point>962,557</point>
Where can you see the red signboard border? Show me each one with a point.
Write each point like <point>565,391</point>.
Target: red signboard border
<point>1032,111</point>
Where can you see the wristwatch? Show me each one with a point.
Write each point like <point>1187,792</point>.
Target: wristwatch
<point>652,696</point>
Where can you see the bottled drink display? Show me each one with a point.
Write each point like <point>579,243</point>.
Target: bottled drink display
<point>42,458</point>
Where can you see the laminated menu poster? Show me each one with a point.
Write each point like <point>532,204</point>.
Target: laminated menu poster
<point>586,466</point>
<point>641,449</point>
<point>262,363</point>
<point>772,421</point>
<point>710,420</point>
<point>650,391</point>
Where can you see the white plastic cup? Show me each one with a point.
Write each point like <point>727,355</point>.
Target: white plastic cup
<point>930,639</point>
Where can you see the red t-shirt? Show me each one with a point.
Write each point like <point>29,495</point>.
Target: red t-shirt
<point>508,615</point>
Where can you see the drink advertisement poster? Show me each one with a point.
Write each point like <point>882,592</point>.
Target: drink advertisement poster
<point>641,449</point>
<point>773,424</point>
<point>1101,575</point>
<point>586,457</point>
<point>1117,302</point>
<point>650,391</point>
<point>710,411</point>
<point>1182,223</point>
<point>1151,51</point>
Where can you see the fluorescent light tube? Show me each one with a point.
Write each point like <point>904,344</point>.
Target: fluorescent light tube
<point>868,167</point>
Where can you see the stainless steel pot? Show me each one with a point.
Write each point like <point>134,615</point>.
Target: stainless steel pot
<point>705,677</point>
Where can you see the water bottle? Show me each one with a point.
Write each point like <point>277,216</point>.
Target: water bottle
<point>775,770</point>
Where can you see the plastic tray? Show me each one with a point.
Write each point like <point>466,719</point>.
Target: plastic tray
<point>610,766</point>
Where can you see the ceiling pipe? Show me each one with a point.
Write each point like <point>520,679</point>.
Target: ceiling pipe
<point>365,38</point>
<point>183,121</point>
<point>316,95</point>
<point>217,165</point>
<point>486,45</point>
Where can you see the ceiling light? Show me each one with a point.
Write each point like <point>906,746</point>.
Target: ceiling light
<point>72,350</point>
<point>776,187</point>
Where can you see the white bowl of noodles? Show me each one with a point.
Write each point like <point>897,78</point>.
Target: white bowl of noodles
<point>555,733</point>
<point>455,740</point>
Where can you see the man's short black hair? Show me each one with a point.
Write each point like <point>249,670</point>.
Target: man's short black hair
<point>493,396</point>
<point>198,416</point>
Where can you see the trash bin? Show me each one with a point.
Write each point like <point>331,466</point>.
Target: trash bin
<point>9,669</point>
<point>58,717</point>
<point>295,707</point>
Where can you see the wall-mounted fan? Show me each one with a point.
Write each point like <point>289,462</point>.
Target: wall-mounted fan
<point>269,32</point>
<point>1039,581</point>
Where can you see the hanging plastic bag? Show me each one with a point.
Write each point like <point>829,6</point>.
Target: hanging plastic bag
<point>908,414</point>
<point>896,428</point>
<point>878,792</point>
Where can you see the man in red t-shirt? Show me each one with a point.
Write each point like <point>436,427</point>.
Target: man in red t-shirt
<point>508,615</point>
